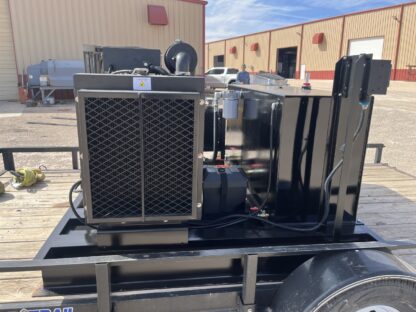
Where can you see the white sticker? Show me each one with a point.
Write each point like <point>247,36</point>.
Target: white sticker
<point>142,83</point>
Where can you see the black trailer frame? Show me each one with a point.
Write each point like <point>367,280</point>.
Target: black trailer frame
<point>241,295</point>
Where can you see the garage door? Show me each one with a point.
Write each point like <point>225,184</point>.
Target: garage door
<point>8,79</point>
<point>369,46</point>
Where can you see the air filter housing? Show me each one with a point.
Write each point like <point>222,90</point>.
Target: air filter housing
<point>140,149</point>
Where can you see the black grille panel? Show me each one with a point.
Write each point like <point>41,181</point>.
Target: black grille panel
<point>141,157</point>
<point>168,156</point>
<point>113,131</point>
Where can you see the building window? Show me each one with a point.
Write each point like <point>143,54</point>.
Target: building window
<point>219,60</point>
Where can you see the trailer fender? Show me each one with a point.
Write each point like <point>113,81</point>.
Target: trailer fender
<point>349,281</point>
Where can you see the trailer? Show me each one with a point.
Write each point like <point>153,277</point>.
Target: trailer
<point>267,222</point>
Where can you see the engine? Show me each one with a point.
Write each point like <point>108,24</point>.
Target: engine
<point>159,153</point>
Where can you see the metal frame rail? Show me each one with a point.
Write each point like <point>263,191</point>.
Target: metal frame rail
<point>46,91</point>
<point>9,164</point>
<point>379,151</point>
<point>250,255</point>
<point>8,154</point>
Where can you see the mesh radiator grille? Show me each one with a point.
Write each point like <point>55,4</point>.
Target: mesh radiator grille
<point>168,156</point>
<point>113,132</point>
<point>140,151</point>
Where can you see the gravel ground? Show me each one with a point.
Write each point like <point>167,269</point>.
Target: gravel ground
<point>39,126</point>
<point>393,123</point>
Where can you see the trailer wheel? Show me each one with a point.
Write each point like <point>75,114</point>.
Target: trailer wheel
<point>381,295</point>
<point>353,281</point>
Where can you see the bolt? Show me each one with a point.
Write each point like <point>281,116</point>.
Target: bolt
<point>249,310</point>
<point>201,155</point>
<point>202,102</point>
<point>198,205</point>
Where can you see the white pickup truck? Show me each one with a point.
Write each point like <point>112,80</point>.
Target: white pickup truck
<point>220,77</point>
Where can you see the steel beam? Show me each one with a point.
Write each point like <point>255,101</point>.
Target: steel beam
<point>103,278</point>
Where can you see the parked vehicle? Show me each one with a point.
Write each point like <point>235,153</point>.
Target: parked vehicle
<point>220,77</point>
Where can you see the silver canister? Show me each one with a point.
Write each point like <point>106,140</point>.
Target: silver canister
<point>230,109</point>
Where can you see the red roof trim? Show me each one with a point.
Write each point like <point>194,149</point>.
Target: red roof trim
<point>318,20</point>
<point>195,1</point>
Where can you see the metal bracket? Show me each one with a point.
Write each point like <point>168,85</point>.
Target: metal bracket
<point>248,297</point>
<point>241,307</point>
<point>103,278</point>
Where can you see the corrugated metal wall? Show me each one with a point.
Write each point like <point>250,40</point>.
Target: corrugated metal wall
<point>215,49</point>
<point>284,38</point>
<point>206,55</point>
<point>235,60</point>
<point>322,56</point>
<point>8,77</point>
<point>374,24</point>
<point>320,59</point>
<point>407,51</point>
<point>58,29</point>
<point>257,60</point>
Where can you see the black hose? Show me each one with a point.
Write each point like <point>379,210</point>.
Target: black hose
<point>74,210</point>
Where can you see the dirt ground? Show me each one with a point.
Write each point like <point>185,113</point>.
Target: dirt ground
<point>393,124</point>
<point>38,126</point>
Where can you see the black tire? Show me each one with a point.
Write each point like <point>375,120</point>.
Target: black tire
<point>397,293</point>
<point>231,82</point>
<point>349,282</point>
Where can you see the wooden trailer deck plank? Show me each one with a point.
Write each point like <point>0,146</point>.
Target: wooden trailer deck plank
<point>387,205</point>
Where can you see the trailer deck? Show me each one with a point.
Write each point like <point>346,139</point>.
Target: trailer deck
<point>27,218</point>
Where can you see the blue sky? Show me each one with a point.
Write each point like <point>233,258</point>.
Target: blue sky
<point>228,18</point>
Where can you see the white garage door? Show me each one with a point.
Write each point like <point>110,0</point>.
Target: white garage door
<point>369,46</point>
<point>8,78</point>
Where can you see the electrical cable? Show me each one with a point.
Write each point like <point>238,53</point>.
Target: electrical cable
<point>212,222</point>
<point>360,125</point>
<point>74,210</point>
<point>243,217</point>
<point>219,225</point>
<point>269,181</point>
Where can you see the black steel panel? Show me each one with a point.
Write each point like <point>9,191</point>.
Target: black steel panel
<point>119,58</point>
<point>301,131</point>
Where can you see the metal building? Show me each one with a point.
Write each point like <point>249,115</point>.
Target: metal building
<point>8,76</point>
<point>35,30</point>
<point>314,47</point>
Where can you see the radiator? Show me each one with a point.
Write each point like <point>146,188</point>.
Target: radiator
<point>141,155</point>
